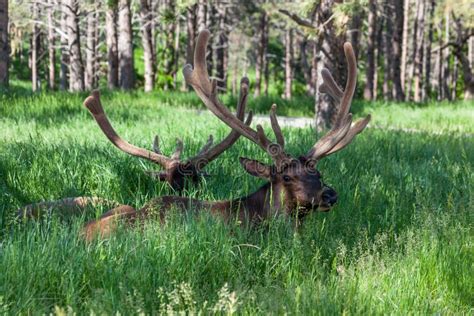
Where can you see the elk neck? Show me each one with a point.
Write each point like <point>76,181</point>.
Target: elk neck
<point>267,201</point>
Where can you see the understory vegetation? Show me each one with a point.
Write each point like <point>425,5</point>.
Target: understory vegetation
<point>400,239</point>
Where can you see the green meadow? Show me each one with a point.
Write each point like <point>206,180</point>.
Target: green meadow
<point>399,241</point>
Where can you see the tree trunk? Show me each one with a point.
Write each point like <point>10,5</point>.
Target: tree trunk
<point>35,41</point>
<point>91,50</point>
<point>454,79</point>
<point>378,55</point>
<point>210,25</point>
<point>288,63</point>
<point>64,58</point>
<point>419,45</point>
<point>168,52</point>
<point>191,33</point>
<point>305,67</point>
<point>415,45</point>
<point>266,66</point>
<point>201,15</point>
<point>4,44</point>
<point>331,44</point>
<point>76,67</point>
<point>176,53</point>
<point>371,45</point>
<point>221,48</point>
<point>147,43</point>
<point>356,29</point>
<point>440,66</point>
<point>51,47</point>
<point>112,49</point>
<point>125,46</point>
<point>261,53</point>
<point>406,18</point>
<point>314,68</point>
<point>397,36</point>
<point>427,82</point>
<point>387,47</point>
<point>446,74</point>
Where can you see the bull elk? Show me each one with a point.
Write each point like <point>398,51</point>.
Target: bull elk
<point>176,171</point>
<point>295,187</point>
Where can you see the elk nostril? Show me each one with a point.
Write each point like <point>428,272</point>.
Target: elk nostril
<point>330,196</point>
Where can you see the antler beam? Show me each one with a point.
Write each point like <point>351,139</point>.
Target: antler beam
<point>198,78</point>
<point>341,134</point>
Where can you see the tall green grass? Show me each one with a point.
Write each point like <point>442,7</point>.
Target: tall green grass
<point>400,239</point>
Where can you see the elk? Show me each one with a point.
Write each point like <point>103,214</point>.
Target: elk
<point>176,171</point>
<point>294,186</point>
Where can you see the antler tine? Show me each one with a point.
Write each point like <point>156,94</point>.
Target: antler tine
<point>199,80</point>
<point>341,133</point>
<point>179,149</point>
<point>355,129</point>
<point>208,154</point>
<point>206,146</point>
<point>346,100</point>
<point>93,104</point>
<point>276,127</point>
<point>156,145</point>
<point>330,86</point>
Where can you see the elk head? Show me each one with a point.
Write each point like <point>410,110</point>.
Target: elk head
<point>176,171</point>
<point>296,180</point>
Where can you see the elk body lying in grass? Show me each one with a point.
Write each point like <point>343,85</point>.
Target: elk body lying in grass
<point>294,186</point>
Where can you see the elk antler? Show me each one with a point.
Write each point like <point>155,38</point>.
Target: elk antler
<point>204,156</point>
<point>341,134</point>
<point>198,78</point>
<point>93,104</point>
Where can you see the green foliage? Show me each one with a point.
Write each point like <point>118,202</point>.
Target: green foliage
<point>399,240</point>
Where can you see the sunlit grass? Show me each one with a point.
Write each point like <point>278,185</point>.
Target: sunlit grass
<point>399,241</point>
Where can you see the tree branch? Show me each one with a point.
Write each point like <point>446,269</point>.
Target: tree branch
<point>299,20</point>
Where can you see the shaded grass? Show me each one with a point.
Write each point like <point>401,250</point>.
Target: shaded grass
<point>399,241</point>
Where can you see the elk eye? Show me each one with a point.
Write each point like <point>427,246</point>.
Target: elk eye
<point>286,178</point>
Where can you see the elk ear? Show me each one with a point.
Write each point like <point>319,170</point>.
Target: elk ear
<point>256,168</point>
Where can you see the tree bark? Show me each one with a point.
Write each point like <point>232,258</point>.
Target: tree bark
<point>125,46</point>
<point>387,47</point>
<point>466,66</point>
<point>112,49</point>
<point>221,49</point>
<point>427,82</point>
<point>439,65</point>
<point>418,56</point>
<point>4,44</point>
<point>35,41</point>
<point>288,63</point>
<point>149,56</point>
<point>51,46</point>
<point>91,49</point>
<point>76,67</point>
<point>406,18</point>
<point>266,62</point>
<point>371,45</point>
<point>176,53</point>
<point>413,64</point>
<point>454,79</point>
<point>397,36</point>
<point>331,45</point>
<point>201,15</point>
<point>305,67</point>
<point>191,33</point>
<point>64,57</point>
<point>261,53</point>
<point>168,52</point>
<point>356,29</point>
<point>446,72</point>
